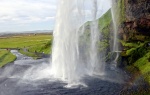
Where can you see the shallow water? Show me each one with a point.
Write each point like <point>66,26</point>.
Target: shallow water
<point>27,76</point>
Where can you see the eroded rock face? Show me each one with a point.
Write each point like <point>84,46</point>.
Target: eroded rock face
<point>137,15</point>
<point>136,9</point>
<point>143,26</point>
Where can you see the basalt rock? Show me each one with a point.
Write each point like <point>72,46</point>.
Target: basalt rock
<point>137,20</point>
<point>136,9</point>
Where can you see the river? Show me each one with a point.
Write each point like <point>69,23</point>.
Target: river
<point>27,76</point>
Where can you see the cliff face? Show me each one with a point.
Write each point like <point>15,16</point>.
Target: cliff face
<point>137,19</point>
<point>134,34</point>
<point>136,9</point>
<point>133,23</point>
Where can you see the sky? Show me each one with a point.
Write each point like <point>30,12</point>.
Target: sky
<point>29,15</point>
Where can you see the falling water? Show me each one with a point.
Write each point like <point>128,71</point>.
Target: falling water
<point>115,33</point>
<point>65,56</point>
<point>67,62</point>
<point>97,67</point>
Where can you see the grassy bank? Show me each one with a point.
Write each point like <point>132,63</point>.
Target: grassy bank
<point>41,48</point>
<point>29,45</point>
<point>30,54</point>
<point>32,42</point>
<point>21,41</point>
<point>6,57</point>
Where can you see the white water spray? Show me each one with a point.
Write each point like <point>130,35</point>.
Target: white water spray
<point>115,32</point>
<point>65,56</point>
<point>97,67</point>
<point>67,62</point>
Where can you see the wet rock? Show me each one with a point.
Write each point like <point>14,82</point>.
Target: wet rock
<point>137,9</point>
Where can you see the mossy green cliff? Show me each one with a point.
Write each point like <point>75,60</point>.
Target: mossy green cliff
<point>133,22</point>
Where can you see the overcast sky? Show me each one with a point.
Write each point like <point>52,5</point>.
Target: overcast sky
<point>22,15</point>
<point>27,15</point>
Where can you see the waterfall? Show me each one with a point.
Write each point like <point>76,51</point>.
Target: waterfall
<point>115,48</point>
<point>97,67</point>
<point>67,58</point>
<point>65,52</point>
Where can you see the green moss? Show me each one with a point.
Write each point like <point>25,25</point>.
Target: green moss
<point>104,25</point>
<point>139,58</point>
<point>6,57</point>
<point>106,32</point>
<point>137,53</point>
<point>121,5</point>
<point>103,45</point>
<point>143,64</point>
<point>130,51</point>
<point>105,20</point>
<point>130,44</point>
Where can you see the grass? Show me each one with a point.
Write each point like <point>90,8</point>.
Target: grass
<point>6,57</point>
<point>30,54</point>
<point>39,43</point>
<point>42,48</point>
<point>105,20</point>
<point>24,41</point>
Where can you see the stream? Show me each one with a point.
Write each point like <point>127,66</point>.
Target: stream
<point>27,76</point>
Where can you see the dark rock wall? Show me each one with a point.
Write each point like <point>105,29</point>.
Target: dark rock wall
<point>137,19</point>
<point>136,9</point>
<point>134,34</point>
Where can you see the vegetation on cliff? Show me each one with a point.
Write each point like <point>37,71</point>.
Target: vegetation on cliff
<point>134,37</point>
<point>104,23</point>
